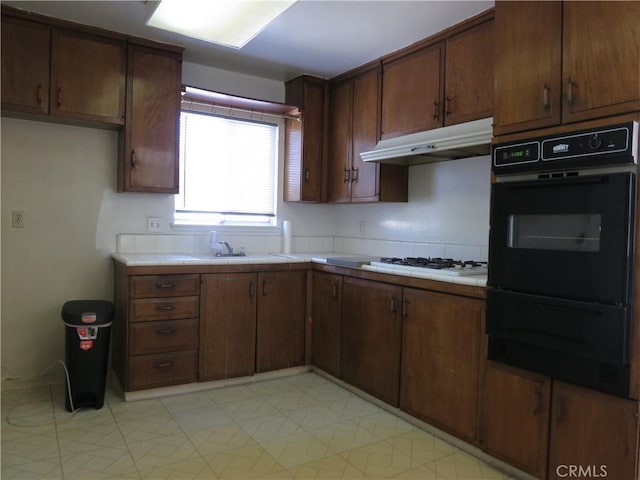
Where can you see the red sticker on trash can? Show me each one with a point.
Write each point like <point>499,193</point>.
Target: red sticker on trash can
<point>86,344</point>
<point>89,317</point>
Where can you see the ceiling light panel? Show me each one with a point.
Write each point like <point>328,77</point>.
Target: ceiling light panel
<point>232,23</point>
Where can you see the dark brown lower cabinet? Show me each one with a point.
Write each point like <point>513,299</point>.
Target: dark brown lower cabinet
<point>371,330</point>
<point>326,314</point>
<point>441,345</point>
<point>592,434</point>
<point>228,325</point>
<point>280,324</point>
<point>515,417</point>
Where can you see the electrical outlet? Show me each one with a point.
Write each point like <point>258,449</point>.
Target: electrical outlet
<point>17,218</point>
<point>361,227</point>
<point>154,224</point>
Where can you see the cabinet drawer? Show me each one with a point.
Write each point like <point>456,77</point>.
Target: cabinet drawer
<point>164,336</point>
<point>149,309</point>
<point>158,370</point>
<point>147,286</point>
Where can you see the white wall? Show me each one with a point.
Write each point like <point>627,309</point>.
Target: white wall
<point>64,177</point>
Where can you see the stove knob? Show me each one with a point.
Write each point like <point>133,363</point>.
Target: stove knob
<point>595,143</point>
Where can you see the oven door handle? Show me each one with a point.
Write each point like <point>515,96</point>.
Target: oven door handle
<point>554,182</point>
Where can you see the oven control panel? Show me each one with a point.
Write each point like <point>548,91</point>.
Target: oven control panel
<point>606,146</point>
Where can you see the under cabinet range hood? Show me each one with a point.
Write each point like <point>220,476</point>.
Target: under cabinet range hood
<point>447,143</point>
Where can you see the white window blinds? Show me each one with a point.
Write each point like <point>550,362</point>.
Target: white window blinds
<point>228,167</point>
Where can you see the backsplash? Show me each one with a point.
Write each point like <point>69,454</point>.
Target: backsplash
<point>272,243</point>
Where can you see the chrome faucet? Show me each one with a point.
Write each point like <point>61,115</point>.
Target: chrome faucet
<point>229,249</point>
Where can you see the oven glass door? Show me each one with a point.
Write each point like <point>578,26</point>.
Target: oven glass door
<point>568,238</point>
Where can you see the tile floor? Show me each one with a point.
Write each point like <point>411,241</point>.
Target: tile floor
<point>302,427</point>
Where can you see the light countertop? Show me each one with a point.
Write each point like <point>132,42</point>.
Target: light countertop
<point>155,259</point>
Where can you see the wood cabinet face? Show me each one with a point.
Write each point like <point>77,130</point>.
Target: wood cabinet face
<point>281,315</point>
<point>365,185</point>
<point>515,417</point>
<point>441,344</point>
<point>527,65</point>
<point>469,75</point>
<point>162,369</point>
<point>412,90</point>
<point>371,330</point>
<point>149,161</point>
<point>326,322</point>
<point>304,141</point>
<point>557,62</point>
<point>163,336</point>
<point>25,66</point>
<point>353,129</point>
<point>600,81</point>
<point>228,306</point>
<point>593,430</point>
<point>340,142</point>
<point>88,77</point>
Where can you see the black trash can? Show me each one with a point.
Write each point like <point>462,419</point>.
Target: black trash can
<point>87,335</point>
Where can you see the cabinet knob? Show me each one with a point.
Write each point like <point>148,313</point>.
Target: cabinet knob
<point>166,307</point>
<point>133,159</point>
<point>347,175</point>
<point>436,109</point>
<point>163,364</point>
<point>546,103</point>
<point>164,285</point>
<point>538,402</point>
<point>165,331</point>
<point>449,110</point>
<point>59,97</point>
<point>570,85</point>
<point>306,175</point>
<point>39,94</point>
<point>354,177</point>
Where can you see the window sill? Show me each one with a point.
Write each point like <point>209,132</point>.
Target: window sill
<point>261,229</point>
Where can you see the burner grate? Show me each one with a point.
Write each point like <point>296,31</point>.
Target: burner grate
<point>435,263</point>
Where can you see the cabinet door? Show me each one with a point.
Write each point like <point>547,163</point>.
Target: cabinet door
<point>88,77</point>
<point>149,162</point>
<point>25,66</point>
<point>340,146</point>
<point>600,81</point>
<point>281,312</point>
<point>528,38</point>
<point>515,417</point>
<point>227,325</point>
<point>440,360</point>
<point>592,430</point>
<point>412,91</point>
<point>304,170</point>
<point>365,176</point>
<point>370,353</point>
<point>469,75</point>
<point>326,316</point>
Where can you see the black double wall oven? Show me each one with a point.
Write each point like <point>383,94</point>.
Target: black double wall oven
<point>561,249</point>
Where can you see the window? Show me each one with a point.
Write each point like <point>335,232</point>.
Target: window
<point>228,169</point>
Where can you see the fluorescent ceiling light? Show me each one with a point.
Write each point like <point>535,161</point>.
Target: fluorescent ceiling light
<point>227,22</point>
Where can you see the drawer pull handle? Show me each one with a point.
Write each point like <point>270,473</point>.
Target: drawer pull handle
<point>166,307</point>
<point>165,285</point>
<point>165,331</point>
<point>163,365</point>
